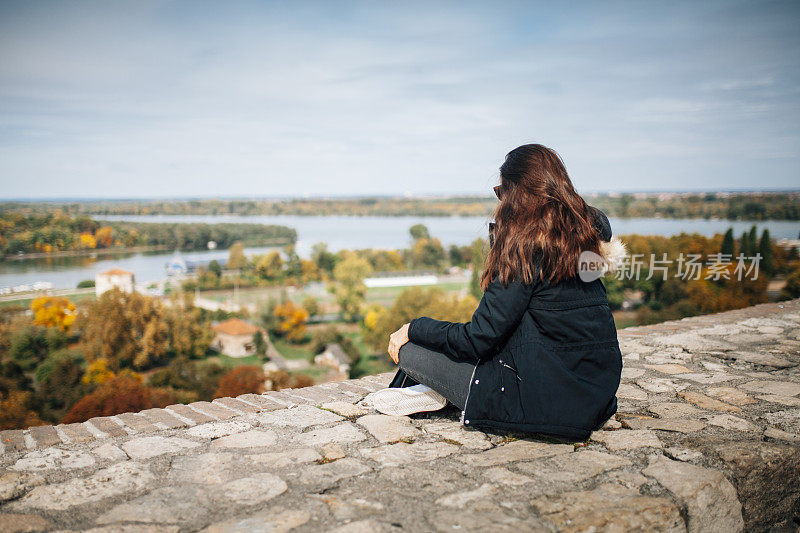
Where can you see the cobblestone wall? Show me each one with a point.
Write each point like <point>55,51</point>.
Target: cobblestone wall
<point>707,438</point>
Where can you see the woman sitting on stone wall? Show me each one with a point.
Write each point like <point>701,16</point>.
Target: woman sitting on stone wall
<point>540,353</point>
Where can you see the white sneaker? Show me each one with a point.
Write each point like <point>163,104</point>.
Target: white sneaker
<point>404,400</point>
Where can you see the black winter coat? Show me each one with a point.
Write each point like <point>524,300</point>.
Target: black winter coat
<point>546,356</point>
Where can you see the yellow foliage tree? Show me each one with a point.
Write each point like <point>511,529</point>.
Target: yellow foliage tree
<point>87,240</point>
<point>98,372</point>
<point>292,319</point>
<point>53,311</point>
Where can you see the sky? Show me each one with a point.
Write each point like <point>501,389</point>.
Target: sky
<point>275,99</point>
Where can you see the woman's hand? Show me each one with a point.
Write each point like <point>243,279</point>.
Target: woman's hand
<point>396,340</point>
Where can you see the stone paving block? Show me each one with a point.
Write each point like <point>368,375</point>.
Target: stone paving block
<point>53,458</point>
<point>669,368</point>
<point>215,430</point>
<point>149,447</point>
<point>710,498</point>
<point>262,401</point>
<point>666,424</point>
<point>342,433</point>
<point>311,394</point>
<point>137,423</point>
<point>107,426</point>
<point>190,414</point>
<point>358,390</point>
<point>705,402</point>
<point>345,409</point>
<point>607,509</point>
<point>627,439</point>
<point>780,388</point>
<point>403,453</point>
<point>119,479</point>
<point>783,400</point>
<point>371,386</point>
<point>76,432</point>
<point>730,395</point>
<point>254,438</point>
<point>301,416</point>
<point>631,392</point>
<point>236,405</point>
<point>13,440</point>
<point>44,436</point>
<point>283,398</point>
<point>19,523</point>
<point>163,417</point>
<point>335,393</point>
<point>277,521</point>
<point>217,411</point>
<point>518,450</point>
<point>387,428</point>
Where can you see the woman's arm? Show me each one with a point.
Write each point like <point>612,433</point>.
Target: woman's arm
<point>496,317</point>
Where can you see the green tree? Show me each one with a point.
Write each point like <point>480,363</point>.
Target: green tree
<point>767,258</point>
<point>728,246</point>
<point>427,253</point>
<point>215,268</point>
<point>294,267</point>
<point>745,248</point>
<point>324,259</point>
<point>311,305</point>
<point>348,286</point>
<point>419,231</point>
<point>59,383</point>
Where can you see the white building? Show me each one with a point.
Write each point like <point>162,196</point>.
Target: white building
<point>234,337</point>
<point>116,277</point>
<point>336,358</point>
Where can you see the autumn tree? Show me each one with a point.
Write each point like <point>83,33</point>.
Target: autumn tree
<point>241,380</point>
<point>291,320</point>
<point>104,237</point>
<point>348,286</point>
<point>269,266</point>
<point>16,407</point>
<point>412,303</point>
<point>133,330</point>
<point>53,311</point>
<point>236,257</point>
<point>123,394</point>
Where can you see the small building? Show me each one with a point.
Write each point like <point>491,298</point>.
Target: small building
<point>234,337</point>
<point>114,278</point>
<point>336,358</point>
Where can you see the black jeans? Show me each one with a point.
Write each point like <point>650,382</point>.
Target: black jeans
<point>439,371</point>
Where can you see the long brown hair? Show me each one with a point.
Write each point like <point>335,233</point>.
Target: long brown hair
<point>541,225</point>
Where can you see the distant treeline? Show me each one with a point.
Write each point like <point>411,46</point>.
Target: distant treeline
<point>57,231</point>
<point>723,205</point>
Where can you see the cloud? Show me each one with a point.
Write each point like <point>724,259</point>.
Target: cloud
<point>204,99</point>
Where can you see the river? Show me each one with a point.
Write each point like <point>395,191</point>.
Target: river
<point>339,232</point>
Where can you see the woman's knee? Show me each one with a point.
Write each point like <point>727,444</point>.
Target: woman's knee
<point>409,354</point>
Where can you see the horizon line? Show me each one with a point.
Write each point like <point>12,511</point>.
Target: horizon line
<point>602,192</point>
